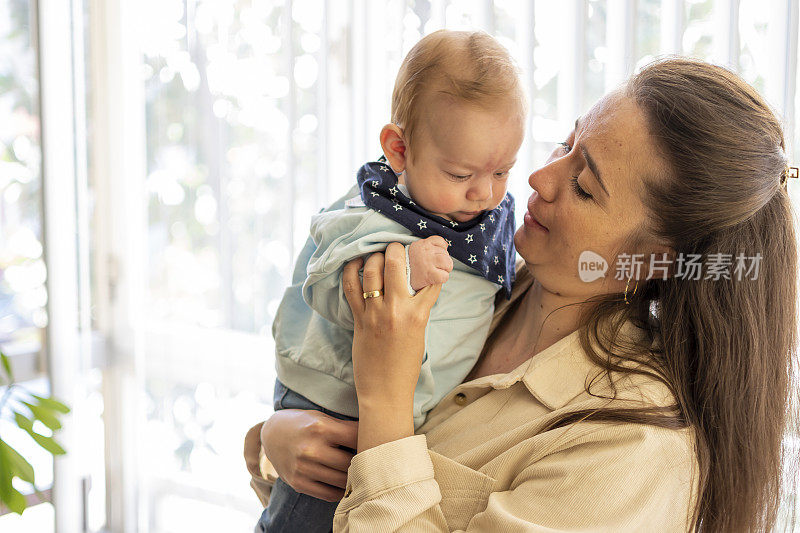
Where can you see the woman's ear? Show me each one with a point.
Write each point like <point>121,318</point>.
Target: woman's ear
<point>394,147</point>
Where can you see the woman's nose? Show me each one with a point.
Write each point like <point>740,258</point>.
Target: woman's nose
<point>544,180</point>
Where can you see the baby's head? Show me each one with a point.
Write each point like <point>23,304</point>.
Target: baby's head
<point>458,118</point>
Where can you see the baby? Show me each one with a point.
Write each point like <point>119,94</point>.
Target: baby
<point>458,115</point>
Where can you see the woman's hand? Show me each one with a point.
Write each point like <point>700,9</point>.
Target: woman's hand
<point>303,446</point>
<point>388,344</point>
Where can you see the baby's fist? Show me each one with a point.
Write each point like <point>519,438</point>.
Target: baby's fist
<point>429,262</point>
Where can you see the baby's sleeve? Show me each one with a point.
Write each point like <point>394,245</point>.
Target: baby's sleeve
<point>341,236</point>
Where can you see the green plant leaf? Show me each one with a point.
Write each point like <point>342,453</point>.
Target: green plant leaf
<point>52,404</point>
<point>6,366</point>
<point>19,466</point>
<point>44,415</point>
<point>48,443</point>
<point>16,501</point>
<point>45,442</point>
<point>23,421</point>
<point>10,496</point>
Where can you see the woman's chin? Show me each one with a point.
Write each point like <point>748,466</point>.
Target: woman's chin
<point>524,243</point>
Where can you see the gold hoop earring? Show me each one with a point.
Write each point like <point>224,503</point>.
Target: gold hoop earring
<point>636,286</point>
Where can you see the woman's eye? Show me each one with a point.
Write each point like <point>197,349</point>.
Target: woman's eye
<point>583,195</point>
<point>566,147</point>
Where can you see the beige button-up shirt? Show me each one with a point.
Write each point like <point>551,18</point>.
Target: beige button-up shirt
<point>482,461</point>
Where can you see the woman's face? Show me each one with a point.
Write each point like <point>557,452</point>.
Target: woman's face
<point>587,199</point>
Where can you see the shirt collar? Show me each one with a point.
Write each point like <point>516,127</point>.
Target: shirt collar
<point>555,375</point>
<point>562,372</point>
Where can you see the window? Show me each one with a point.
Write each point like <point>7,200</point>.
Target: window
<point>23,293</point>
<point>214,131</point>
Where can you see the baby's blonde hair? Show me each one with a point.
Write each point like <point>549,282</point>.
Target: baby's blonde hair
<point>469,66</point>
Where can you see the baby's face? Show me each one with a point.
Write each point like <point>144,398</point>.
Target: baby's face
<point>462,156</point>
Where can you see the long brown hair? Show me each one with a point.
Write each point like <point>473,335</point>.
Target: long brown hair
<point>726,347</point>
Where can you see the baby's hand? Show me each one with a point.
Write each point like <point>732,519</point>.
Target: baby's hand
<point>429,261</point>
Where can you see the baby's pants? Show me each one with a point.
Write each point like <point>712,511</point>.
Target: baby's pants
<point>288,510</point>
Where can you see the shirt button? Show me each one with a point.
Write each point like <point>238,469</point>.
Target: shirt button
<point>460,399</point>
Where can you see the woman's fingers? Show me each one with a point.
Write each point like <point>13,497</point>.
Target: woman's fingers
<point>373,273</point>
<point>343,433</point>
<point>336,459</point>
<point>319,490</point>
<point>427,296</point>
<point>322,474</point>
<point>351,285</point>
<point>395,271</point>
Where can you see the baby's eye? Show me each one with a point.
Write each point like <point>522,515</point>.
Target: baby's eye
<point>459,177</point>
<point>501,174</point>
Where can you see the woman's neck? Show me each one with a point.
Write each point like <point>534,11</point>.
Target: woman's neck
<point>542,319</point>
<point>527,330</point>
<point>549,316</point>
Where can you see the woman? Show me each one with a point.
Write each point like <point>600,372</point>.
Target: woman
<point>653,400</point>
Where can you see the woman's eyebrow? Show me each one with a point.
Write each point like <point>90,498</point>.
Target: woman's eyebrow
<point>593,168</point>
<point>592,164</point>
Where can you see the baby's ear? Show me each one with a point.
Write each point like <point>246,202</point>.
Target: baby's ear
<point>394,147</point>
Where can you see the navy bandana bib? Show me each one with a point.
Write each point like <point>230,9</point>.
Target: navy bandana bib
<point>486,243</point>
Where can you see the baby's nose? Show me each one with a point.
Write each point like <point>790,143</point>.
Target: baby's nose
<point>481,189</point>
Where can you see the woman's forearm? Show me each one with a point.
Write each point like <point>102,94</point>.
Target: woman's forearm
<point>383,420</point>
<point>388,344</point>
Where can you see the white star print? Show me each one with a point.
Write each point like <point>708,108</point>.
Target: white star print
<point>449,243</point>
<point>384,168</point>
<point>374,194</point>
<point>375,183</point>
<point>486,249</point>
<point>393,191</point>
<point>422,224</point>
<point>398,207</point>
<point>472,258</point>
<point>491,218</point>
<point>500,279</point>
<point>411,202</point>
<point>496,260</point>
<point>453,223</point>
<point>487,269</point>
<point>469,237</point>
<point>505,247</point>
<point>483,226</point>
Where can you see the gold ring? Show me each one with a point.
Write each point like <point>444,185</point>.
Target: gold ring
<point>372,294</point>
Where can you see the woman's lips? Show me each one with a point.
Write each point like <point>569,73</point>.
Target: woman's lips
<point>533,223</point>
